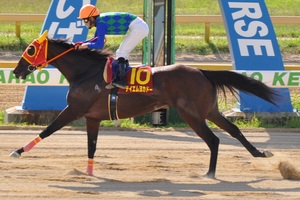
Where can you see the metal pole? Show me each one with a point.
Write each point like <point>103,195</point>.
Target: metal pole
<point>147,15</point>
<point>171,31</point>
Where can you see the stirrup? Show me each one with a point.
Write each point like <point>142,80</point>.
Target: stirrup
<point>110,86</point>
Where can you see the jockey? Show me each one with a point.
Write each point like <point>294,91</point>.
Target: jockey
<point>113,23</point>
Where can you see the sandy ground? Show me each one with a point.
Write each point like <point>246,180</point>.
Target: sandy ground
<point>143,165</point>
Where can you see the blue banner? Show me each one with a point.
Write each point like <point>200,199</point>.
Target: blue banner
<point>253,46</point>
<point>61,22</point>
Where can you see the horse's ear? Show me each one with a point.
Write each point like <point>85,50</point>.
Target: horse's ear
<point>42,37</point>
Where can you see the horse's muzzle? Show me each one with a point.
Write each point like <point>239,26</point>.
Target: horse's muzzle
<point>16,72</point>
<point>20,73</point>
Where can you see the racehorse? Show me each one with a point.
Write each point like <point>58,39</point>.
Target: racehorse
<point>191,91</point>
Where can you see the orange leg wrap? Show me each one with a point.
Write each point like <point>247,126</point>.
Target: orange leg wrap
<point>90,167</point>
<point>31,144</point>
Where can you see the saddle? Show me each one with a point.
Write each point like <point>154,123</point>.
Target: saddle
<point>138,79</point>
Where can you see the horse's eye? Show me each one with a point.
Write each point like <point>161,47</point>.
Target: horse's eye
<point>31,50</point>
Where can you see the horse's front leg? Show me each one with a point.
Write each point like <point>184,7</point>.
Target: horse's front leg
<point>64,118</point>
<point>92,127</point>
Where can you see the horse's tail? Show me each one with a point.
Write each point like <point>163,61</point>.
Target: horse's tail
<point>235,81</point>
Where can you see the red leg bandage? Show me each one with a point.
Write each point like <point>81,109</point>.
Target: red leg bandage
<point>31,144</point>
<point>90,166</point>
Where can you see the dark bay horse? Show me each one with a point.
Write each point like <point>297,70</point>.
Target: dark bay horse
<point>192,92</point>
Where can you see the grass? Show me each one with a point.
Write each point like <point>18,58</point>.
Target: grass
<point>196,44</point>
<point>295,99</point>
<point>189,37</point>
<point>2,117</point>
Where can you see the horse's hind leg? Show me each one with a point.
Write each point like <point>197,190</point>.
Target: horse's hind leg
<point>235,132</point>
<point>212,141</point>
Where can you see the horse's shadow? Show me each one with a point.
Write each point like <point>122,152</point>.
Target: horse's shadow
<point>150,135</point>
<point>169,188</point>
<point>182,136</point>
<point>271,141</point>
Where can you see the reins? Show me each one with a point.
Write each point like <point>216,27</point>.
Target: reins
<point>60,55</point>
<point>55,57</point>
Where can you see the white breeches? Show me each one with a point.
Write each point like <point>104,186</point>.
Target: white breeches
<point>138,30</point>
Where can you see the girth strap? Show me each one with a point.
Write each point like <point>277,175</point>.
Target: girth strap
<point>112,104</point>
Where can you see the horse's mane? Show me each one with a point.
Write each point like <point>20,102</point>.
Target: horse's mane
<point>97,54</point>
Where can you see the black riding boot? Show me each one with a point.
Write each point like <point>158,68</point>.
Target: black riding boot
<point>120,81</point>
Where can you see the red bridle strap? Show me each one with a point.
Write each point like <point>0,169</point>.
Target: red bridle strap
<point>54,58</point>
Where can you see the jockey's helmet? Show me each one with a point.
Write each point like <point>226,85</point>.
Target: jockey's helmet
<point>87,11</point>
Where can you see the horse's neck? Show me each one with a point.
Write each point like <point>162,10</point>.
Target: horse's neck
<point>73,66</point>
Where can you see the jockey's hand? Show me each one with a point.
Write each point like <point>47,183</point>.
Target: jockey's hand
<point>82,46</point>
<point>77,44</point>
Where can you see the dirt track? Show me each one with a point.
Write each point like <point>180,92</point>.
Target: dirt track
<point>142,165</point>
<point>146,165</point>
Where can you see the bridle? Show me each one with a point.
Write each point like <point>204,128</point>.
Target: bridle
<point>32,68</point>
<point>46,63</point>
<point>40,63</point>
<point>36,54</point>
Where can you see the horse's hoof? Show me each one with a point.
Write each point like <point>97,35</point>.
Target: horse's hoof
<point>15,155</point>
<point>268,153</point>
<point>209,175</point>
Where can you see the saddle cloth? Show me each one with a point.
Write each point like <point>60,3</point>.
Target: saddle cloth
<point>139,79</point>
